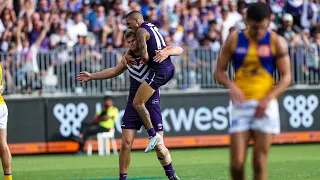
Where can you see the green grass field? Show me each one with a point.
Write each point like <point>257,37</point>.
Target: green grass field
<point>286,162</point>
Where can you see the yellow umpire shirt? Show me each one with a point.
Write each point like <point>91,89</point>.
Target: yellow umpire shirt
<point>112,112</point>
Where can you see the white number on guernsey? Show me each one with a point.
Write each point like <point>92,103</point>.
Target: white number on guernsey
<point>157,35</point>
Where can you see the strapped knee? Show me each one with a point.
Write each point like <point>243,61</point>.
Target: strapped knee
<point>164,155</point>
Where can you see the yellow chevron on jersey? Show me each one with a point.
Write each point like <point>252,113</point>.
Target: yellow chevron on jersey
<point>254,64</point>
<point>1,84</point>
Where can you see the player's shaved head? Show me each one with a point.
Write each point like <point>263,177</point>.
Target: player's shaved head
<point>134,20</point>
<point>135,15</point>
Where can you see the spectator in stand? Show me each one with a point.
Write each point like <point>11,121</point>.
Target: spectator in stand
<point>288,30</point>
<point>225,23</point>
<point>234,14</point>
<point>60,37</point>
<point>203,23</point>
<point>295,8</point>
<point>310,13</point>
<point>74,5</point>
<point>86,11</point>
<point>99,21</point>
<point>76,27</point>
<point>62,5</point>
<point>316,36</point>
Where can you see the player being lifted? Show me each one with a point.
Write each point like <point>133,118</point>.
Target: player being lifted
<point>256,54</point>
<point>131,121</point>
<point>149,41</point>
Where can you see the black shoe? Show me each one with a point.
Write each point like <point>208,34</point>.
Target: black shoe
<point>174,177</point>
<point>80,153</point>
<point>77,139</point>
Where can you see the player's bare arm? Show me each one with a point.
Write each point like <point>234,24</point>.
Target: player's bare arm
<point>220,72</point>
<point>161,55</point>
<point>129,59</point>
<point>283,66</point>
<point>105,74</point>
<point>284,69</point>
<point>142,37</point>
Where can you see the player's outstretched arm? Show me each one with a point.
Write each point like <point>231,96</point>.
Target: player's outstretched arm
<point>142,36</point>
<point>283,66</point>
<point>105,74</point>
<point>161,55</point>
<point>220,72</point>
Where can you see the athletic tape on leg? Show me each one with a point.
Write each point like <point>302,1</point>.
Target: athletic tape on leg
<point>164,155</point>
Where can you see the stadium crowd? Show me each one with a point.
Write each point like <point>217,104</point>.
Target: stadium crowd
<point>29,28</point>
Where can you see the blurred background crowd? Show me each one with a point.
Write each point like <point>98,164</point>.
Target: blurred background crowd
<point>49,41</point>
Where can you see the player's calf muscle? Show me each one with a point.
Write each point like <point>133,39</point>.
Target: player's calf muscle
<point>163,155</point>
<point>144,114</point>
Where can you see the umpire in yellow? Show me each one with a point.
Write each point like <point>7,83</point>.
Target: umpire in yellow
<point>102,122</point>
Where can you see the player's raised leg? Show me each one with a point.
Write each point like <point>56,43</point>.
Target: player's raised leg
<point>165,160</point>
<point>144,92</point>
<point>238,151</point>
<point>260,154</point>
<point>124,158</point>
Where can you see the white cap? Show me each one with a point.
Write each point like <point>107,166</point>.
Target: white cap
<point>306,30</point>
<point>287,17</point>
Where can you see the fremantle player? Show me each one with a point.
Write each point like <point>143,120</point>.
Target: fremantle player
<point>256,54</point>
<point>131,121</point>
<point>149,41</point>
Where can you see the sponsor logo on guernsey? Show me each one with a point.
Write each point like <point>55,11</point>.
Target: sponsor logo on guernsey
<point>241,50</point>
<point>155,101</point>
<point>264,50</point>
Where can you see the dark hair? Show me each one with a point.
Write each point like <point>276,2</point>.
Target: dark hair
<point>76,14</point>
<point>315,30</point>
<point>258,11</point>
<point>107,98</point>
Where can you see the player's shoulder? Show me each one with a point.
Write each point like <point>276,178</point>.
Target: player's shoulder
<point>232,40</point>
<point>277,38</point>
<point>142,30</point>
<point>145,25</point>
<point>278,41</point>
<point>233,36</point>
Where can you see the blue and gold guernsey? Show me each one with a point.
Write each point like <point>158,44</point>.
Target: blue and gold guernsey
<point>254,64</point>
<point>1,86</point>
